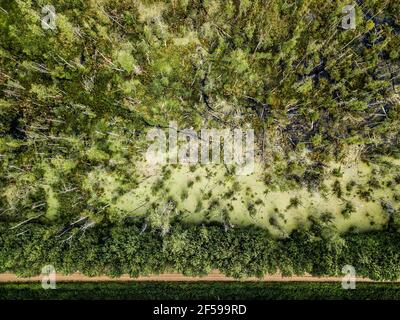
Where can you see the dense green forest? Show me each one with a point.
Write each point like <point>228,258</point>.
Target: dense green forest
<point>77,102</point>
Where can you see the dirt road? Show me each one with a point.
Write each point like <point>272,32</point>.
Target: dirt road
<point>213,276</point>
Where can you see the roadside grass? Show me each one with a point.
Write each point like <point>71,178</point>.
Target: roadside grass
<point>200,290</point>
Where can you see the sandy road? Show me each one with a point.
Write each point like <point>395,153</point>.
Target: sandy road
<point>213,276</point>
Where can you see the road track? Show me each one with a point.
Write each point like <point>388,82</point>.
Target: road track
<point>213,276</point>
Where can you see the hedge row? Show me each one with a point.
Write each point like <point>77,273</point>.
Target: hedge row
<point>196,250</point>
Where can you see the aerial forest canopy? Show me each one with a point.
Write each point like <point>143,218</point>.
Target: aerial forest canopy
<point>79,95</point>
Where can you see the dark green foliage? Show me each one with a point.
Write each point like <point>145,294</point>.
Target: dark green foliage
<point>348,210</point>
<point>196,250</point>
<point>294,203</point>
<point>200,290</point>
<point>337,189</point>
